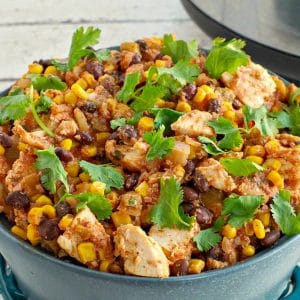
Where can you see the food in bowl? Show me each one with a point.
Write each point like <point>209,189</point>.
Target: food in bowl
<point>152,160</point>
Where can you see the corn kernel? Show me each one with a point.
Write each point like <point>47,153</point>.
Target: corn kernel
<point>35,197</point>
<point>207,89</point>
<point>33,234</point>
<point>22,147</point>
<point>18,231</point>
<point>179,171</point>
<point>2,150</point>
<point>248,250</point>
<point>89,151</point>
<point>83,187</point>
<point>35,215</point>
<point>49,211</point>
<point>58,99</point>
<point>256,159</point>
<point>259,229</point>
<point>113,199</point>
<point>146,124</point>
<point>130,46</point>
<point>142,188</point>
<point>104,265</point>
<point>249,229</point>
<point>199,96</point>
<point>72,168</point>
<point>79,91</point>
<point>84,177</point>
<point>276,179</point>
<point>98,187</point>
<point>66,144</point>
<point>257,150</point>
<point>102,137</point>
<point>51,70</point>
<point>65,221</point>
<point>226,105</point>
<point>281,87</point>
<point>196,266</point>
<point>86,251</point>
<point>183,106</point>
<point>160,63</point>
<point>160,103</point>
<point>230,115</point>
<point>264,217</point>
<point>120,218</point>
<point>272,146</point>
<point>102,254</point>
<point>82,83</point>
<point>272,163</point>
<point>43,200</point>
<point>35,69</point>
<point>89,79</point>
<point>70,98</point>
<point>229,231</point>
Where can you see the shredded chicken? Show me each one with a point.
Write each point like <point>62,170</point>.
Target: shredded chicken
<point>216,175</point>
<point>67,128</point>
<point>252,84</point>
<point>142,254</point>
<point>193,124</point>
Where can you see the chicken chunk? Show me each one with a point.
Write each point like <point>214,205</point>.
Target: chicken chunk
<point>131,158</point>
<point>36,139</point>
<point>216,175</point>
<point>67,128</point>
<point>193,124</point>
<point>86,228</point>
<point>252,84</point>
<point>142,254</point>
<point>176,243</point>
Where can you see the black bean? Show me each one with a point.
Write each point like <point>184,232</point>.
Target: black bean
<point>95,67</point>
<point>270,238</point>
<point>44,62</point>
<point>255,242</point>
<point>17,200</point>
<point>125,133</point>
<point>200,182</point>
<point>159,56</point>
<point>190,167</point>
<point>236,104</point>
<point>136,59</point>
<point>62,209</point>
<point>180,267</point>
<point>89,107</point>
<point>214,105</point>
<point>189,194</point>
<point>84,137</point>
<point>216,253</point>
<point>190,91</point>
<point>63,154</point>
<point>109,84</point>
<point>142,45</point>
<point>5,140</point>
<point>204,217</point>
<point>131,181</point>
<point>189,208</point>
<point>48,229</point>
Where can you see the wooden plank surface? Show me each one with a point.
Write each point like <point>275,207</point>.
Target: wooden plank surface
<point>33,29</point>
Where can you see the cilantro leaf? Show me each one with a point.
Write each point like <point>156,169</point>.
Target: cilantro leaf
<point>41,82</point>
<point>210,146</point>
<point>148,98</point>
<point>165,117</point>
<point>127,91</point>
<point>43,104</point>
<point>183,72</point>
<point>159,145</point>
<point>104,173</point>
<point>266,125</point>
<point>289,118</point>
<point>51,169</point>
<point>117,123</point>
<point>284,214</point>
<point>232,136</point>
<point>225,56</point>
<point>80,40</point>
<point>207,239</point>
<point>240,166</point>
<point>167,212</point>
<point>241,209</point>
<point>179,49</point>
<point>98,204</point>
<point>13,107</point>
<point>60,65</point>
<point>102,54</point>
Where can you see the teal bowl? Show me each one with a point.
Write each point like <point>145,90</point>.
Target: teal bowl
<point>41,276</point>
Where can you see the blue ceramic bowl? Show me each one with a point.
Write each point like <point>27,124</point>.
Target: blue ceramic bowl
<point>44,277</point>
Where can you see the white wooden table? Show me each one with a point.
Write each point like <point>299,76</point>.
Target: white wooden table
<point>32,29</point>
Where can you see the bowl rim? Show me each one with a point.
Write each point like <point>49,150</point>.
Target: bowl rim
<point>283,243</point>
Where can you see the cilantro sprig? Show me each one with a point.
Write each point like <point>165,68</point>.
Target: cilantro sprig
<point>168,212</point>
<point>225,56</point>
<point>284,214</point>
<point>160,146</point>
<point>43,82</point>
<point>165,117</point>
